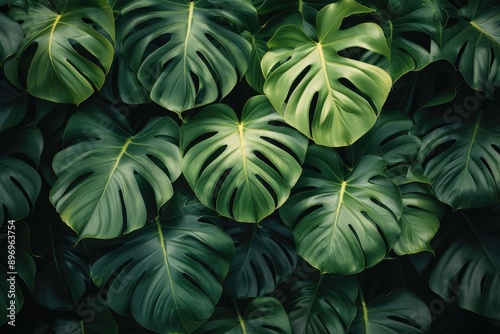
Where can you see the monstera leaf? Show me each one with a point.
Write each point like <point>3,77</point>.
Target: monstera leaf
<point>401,311</point>
<point>343,222</point>
<point>461,156</point>
<point>471,42</point>
<point>299,13</point>
<point>399,21</point>
<point>468,262</point>
<point>306,9</point>
<point>98,320</point>
<point>419,221</point>
<point>254,75</point>
<point>168,273</point>
<point>62,266</point>
<point>67,49</point>
<point>263,315</point>
<point>105,171</point>
<point>389,138</point>
<point>242,168</point>
<point>327,97</point>
<point>321,303</point>
<point>265,256</point>
<point>11,37</point>
<point>13,105</point>
<point>187,53</point>
<point>20,183</point>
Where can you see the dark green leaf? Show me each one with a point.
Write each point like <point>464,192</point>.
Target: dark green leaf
<point>263,315</point>
<point>168,273</point>
<point>62,265</point>
<point>388,139</point>
<point>468,263</point>
<point>401,311</point>
<point>461,156</point>
<point>20,183</point>
<point>472,44</point>
<point>409,28</point>
<point>419,221</point>
<point>11,37</point>
<point>265,256</point>
<point>321,303</point>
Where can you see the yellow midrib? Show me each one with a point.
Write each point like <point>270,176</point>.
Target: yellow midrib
<point>188,31</point>
<point>240,318</point>
<point>115,166</point>
<point>473,140</point>
<point>475,25</point>
<point>319,47</point>
<point>339,205</point>
<point>165,260</point>
<point>242,324</point>
<point>242,148</point>
<point>58,17</point>
<point>365,315</point>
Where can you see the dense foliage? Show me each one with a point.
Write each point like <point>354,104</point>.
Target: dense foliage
<point>238,166</point>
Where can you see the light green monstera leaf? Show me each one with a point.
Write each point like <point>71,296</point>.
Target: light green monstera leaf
<point>343,221</point>
<point>167,274</point>
<point>106,171</point>
<point>67,49</point>
<point>244,168</point>
<point>187,53</point>
<point>330,98</point>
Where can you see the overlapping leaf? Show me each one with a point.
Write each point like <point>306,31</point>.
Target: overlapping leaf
<point>401,311</point>
<point>461,156</point>
<point>20,183</point>
<point>263,315</point>
<point>343,222</point>
<point>418,19</point>
<point>67,49</point>
<point>467,268</point>
<point>103,171</point>
<point>242,168</point>
<point>329,98</point>
<point>265,256</point>
<point>321,303</point>
<point>471,42</point>
<point>168,273</point>
<point>11,37</point>
<point>62,275</point>
<point>187,53</point>
<point>389,138</point>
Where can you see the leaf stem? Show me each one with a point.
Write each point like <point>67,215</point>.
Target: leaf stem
<point>240,319</point>
<point>365,309</point>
